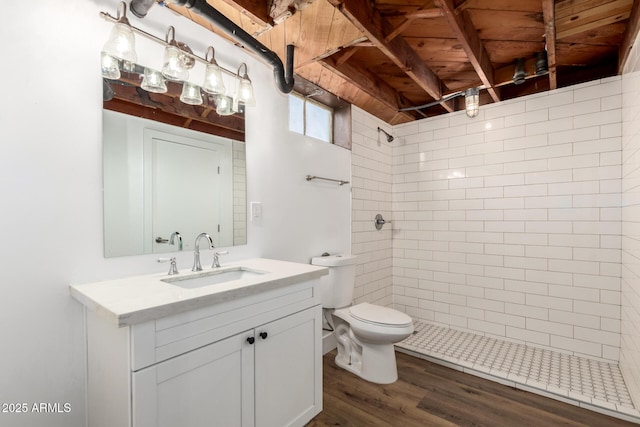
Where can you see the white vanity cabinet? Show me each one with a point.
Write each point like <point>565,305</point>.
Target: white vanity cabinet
<point>249,361</point>
<point>262,377</point>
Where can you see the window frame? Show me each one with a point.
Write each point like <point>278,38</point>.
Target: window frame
<point>305,100</point>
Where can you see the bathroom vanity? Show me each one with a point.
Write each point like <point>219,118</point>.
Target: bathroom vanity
<point>235,346</point>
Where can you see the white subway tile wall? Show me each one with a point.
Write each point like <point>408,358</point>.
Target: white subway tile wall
<point>506,225</point>
<point>371,175</point>
<point>630,295</point>
<point>518,225</point>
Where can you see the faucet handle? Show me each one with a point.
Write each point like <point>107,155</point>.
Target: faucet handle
<point>216,260</point>
<point>173,269</point>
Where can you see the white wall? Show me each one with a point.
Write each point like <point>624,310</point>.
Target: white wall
<point>51,169</point>
<point>630,349</point>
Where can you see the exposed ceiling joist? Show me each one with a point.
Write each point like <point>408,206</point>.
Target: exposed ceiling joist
<point>386,55</point>
<point>409,17</point>
<point>577,17</point>
<point>549,16</point>
<point>466,34</point>
<point>464,5</point>
<point>373,25</point>
<point>630,35</point>
<point>256,10</point>
<point>368,83</point>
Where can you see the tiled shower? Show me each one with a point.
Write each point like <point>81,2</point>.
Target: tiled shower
<point>511,226</point>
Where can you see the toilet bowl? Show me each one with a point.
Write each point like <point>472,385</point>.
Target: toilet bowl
<point>365,333</point>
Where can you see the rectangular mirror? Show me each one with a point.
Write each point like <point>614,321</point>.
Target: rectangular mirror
<point>161,179</point>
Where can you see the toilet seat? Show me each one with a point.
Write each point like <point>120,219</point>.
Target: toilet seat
<point>380,316</point>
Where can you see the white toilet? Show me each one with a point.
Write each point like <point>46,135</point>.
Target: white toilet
<point>365,333</point>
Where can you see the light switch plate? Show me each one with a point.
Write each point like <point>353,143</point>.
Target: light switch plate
<point>256,211</point>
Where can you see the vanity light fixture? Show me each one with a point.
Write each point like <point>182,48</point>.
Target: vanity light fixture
<point>121,43</point>
<point>213,82</point>
<point>191,94</point>
<point>153,81</point>
<point>110,66</point>
<point>177,61</point>
<point>472,101</point>
<point>224,105</point>
<point>244,92</point>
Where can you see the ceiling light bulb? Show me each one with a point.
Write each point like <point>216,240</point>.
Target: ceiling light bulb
<point>472,101</point>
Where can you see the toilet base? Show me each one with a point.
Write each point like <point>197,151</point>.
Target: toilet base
<point>372,362</point>
<point>377,363</point>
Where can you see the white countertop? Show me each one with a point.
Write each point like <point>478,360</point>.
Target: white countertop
<point>138,299</point>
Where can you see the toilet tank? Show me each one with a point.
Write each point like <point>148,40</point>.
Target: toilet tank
<point>336,288</point>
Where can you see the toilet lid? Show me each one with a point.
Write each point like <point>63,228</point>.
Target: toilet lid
<point>378,315</point>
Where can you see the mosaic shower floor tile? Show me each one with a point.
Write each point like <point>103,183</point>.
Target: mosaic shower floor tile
<point>587,382</point>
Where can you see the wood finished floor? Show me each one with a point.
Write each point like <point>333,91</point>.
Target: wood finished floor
<point>427,394</point>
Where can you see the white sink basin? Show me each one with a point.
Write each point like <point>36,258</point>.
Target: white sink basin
<point>213,277</point>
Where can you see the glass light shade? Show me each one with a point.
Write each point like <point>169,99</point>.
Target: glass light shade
<point>110,66</point>
<point>213,82</point>
<point>224,105</point>
<point>191,94</point>
<point>121,43</point>
<point>173,65</point>
<point>245,92</point>
<point>153,81</point>
<point>472,101</point>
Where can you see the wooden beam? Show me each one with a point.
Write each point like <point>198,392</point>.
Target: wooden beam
<point>346,54</point>
<point>255,10</point>
<point>549,16</point>
<point>412,16</point>
<point>630,36</point>
<point>582,20</point>
<point>150,113</point>
<point>368,83</point>
<point>169,104</point>
<point>464,5</point>
<point>375,27</point>
<point>463,29</point>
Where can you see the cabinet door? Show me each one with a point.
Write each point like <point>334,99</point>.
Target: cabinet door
<point>210,386</point>
<point>288,370</point>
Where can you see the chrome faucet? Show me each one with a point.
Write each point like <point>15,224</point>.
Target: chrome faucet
<point>196,253</point>
<point>173,237</point>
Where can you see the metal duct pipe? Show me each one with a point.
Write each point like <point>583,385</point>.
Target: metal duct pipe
<point>140,7</point>
<point>284,79</point>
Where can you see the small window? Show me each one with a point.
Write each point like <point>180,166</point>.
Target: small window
<point>310,118</point>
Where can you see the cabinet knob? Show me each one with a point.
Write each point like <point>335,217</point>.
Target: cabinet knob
<point>263,335</point>
<point>251,340</point>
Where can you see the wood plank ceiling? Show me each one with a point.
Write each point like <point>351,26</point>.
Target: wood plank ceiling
<point>389,55</point>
